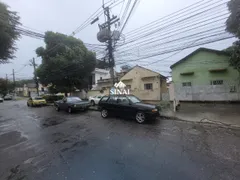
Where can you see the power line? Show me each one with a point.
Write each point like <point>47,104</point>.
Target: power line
<point>201,34</point>
<point>168,17</point>
<point>173,23</point>
<point>179,48</point>
<point>97,13</point>
<point>198,34</point>
<point>182,29</point>
<point>129,15</point>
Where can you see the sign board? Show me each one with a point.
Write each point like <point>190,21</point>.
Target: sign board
<point>119,88</point>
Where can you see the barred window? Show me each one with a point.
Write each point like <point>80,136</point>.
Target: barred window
<point>148,86</point>
<point>216,82</point>
<point>184,84</point>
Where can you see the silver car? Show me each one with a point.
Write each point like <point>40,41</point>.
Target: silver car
<point>8,97</point>
<point>95,99</point>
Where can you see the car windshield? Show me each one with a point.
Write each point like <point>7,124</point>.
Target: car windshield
<point>73,99</point>
<point>38,98</point>
<point>134,99</point>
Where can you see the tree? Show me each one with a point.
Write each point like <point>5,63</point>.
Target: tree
<point>235,55</point>
<point>233,21</point>
<point>233,26</point>
<point>66,63</point>
<point>5,86</point>
<point>9,20</point>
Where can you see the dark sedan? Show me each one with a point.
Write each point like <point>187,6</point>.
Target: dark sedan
<point>71,104</point>
<point>127,105</point>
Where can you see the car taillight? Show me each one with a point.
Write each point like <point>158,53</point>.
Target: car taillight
<point>154,110</point>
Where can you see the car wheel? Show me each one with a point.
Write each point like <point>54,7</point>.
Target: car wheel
<point>69,110</point>
<point>57,108</point>
<point>92,103</point>
<point>104,113</point>
<point>140,117</point>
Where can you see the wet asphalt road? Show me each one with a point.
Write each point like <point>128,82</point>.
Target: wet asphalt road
<point>40,143</point>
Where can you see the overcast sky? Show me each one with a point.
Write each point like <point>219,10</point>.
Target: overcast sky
<point>66,15</point>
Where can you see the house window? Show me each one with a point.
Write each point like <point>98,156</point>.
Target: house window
<point>185,84</point>
<point>216,82</point>
<point>148,86</point>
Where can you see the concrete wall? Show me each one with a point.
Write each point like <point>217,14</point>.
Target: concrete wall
<point>97,92</point>
<point>201,88</point>
<point>207,92</point>
<point>139,76</point>
<point>81,94</point>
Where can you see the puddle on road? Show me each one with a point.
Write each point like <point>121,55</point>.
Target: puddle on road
<point>52,121</point>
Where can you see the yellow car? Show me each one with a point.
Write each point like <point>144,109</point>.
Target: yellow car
<point>36,101</point>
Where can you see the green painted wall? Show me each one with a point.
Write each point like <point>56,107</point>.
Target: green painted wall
<point>200,64</point>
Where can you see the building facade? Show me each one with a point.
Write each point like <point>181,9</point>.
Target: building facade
<point>98,74</point>
<point>205,75</point>
<point>145,84</point>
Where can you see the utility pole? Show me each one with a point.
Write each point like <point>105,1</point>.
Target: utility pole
<point>14,83</point>
<point>7,82</point>
<point>35,76</point>
<point>110,48</point>
<point>107,26</point>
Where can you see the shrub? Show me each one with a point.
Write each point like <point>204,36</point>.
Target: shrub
<point>51,98</point>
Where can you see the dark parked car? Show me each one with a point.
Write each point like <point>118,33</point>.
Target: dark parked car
<point>127,105</point>
<point>71,104</point>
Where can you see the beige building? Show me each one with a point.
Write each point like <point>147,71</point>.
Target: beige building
<point>145,84</point>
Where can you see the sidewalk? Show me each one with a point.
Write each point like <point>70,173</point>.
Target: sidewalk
<point>221,114</point>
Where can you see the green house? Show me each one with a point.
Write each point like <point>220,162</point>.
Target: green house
<point>205,75</point>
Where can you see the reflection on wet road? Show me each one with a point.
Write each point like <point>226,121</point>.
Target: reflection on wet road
<point>39,143</point>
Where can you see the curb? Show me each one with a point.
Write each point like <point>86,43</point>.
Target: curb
<point>207,122</point>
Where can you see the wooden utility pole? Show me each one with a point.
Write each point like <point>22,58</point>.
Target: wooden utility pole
<point>35,76</point>
<point>107,25</point>
<point>110,48</point>
<point>7,82</point>
<point>14,83</point>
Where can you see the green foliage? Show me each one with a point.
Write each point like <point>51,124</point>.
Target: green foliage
<point>233,21</point>
<point>235,56</point>
<point>5,86</point>
<point>66,63</point>
<point>51,98</point>
<point>233,26</point>
<point>8,33</point>
<point>102,64</point>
